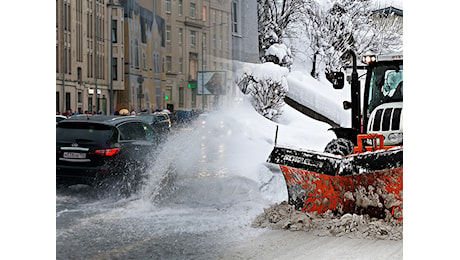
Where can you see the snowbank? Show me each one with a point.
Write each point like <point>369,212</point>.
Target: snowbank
<point>319,96</point>
<point>284,216</point>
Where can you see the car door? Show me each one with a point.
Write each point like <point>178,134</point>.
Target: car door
<point>138,139</point>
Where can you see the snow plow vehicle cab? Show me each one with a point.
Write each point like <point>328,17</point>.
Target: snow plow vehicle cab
<point>381,111</point>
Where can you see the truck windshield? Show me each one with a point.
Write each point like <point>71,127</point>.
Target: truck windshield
<point>386,84</point>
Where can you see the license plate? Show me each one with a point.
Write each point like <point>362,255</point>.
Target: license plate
<point>73,155</point>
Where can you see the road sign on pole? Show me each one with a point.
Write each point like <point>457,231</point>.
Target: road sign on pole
<point>211,82</point>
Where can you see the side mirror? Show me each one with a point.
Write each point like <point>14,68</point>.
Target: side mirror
<point>338,79</point>
<point>346,105</point>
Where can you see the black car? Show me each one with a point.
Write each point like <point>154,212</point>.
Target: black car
<point>159,121</point>
<point>92,148</point>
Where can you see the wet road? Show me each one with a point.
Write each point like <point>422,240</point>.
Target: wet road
<point>195,204</point>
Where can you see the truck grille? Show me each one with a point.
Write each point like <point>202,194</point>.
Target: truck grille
<point>387,118</point>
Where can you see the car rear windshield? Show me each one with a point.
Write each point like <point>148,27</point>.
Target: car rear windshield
<point>79,131</point>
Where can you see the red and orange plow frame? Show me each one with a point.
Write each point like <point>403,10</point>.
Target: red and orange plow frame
<point>370,181</point>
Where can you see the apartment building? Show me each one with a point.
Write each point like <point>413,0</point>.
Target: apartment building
<point>89,55</point>
<point>198,38</point>
<point>149,54</point>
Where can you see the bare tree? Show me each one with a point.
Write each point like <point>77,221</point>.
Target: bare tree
<point>347,24</point>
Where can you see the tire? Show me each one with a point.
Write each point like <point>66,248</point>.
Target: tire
<point>339,146</point>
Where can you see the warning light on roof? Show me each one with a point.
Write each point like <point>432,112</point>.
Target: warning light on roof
<point>368,59</point>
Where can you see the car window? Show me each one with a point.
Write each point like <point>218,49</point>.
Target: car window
<point>132,131</point>
<point>148,118</point>
<point>149,133</point>
<point>87,132</point>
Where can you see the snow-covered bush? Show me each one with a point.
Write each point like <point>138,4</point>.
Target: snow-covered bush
<point>274,18</point>
<point>280,54</point>
<point>267,94</point>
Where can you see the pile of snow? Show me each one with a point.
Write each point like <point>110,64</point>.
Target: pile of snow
<point>261,71</point>
<point>278,50</point>
<point>285,216</point>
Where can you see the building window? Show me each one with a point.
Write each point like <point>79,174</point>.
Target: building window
<point>114,69</point>
<point>180,7</point>
<point>79,76</point>
<point>168,63</point>
<point>180,35</point>
<point>193,97</point>
<point>181,97</point>
<point>192,75</point>
<point>168,33</point>
<point>136,53</point>
<point>67,101</point>
<point>192,10</point>
<point>235,18</point>
<point>168,6</point>
<point>79,97</point>
<point>144,60</point>
<point>193,37</point>
<point>168,94</point>
<point>181,66</point>
<point>114,31</point>
<point>204,13</point>
<point>156,63</point>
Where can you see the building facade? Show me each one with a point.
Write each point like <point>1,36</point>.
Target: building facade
<point>84,37</point>
<point>149,54</point>
<point>198,38</point>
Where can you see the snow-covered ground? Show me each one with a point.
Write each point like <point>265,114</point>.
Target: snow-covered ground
<point>376,238</point>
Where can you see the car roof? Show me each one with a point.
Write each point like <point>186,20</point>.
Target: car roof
<point>102,119</point>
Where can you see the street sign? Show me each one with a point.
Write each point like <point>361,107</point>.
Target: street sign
<point>214,82</point>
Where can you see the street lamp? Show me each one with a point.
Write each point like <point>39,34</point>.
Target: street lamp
<point>202,62</point>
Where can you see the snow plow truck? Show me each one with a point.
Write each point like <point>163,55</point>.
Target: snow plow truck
<point>360,171</point>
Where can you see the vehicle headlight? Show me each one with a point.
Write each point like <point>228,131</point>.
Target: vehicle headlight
<point>395,137</point>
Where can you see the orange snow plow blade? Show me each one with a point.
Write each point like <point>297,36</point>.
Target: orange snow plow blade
<point>367,193</point>
<point>364,183</point>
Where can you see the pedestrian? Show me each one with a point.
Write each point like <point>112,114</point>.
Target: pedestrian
<point>124,112</point>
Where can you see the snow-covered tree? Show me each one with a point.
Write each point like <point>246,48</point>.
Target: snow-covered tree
<point>275,17</point>
<point>347,25</point>
<point>267,94</point>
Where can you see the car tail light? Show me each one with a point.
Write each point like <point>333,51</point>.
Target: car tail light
<point>108,152</point>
